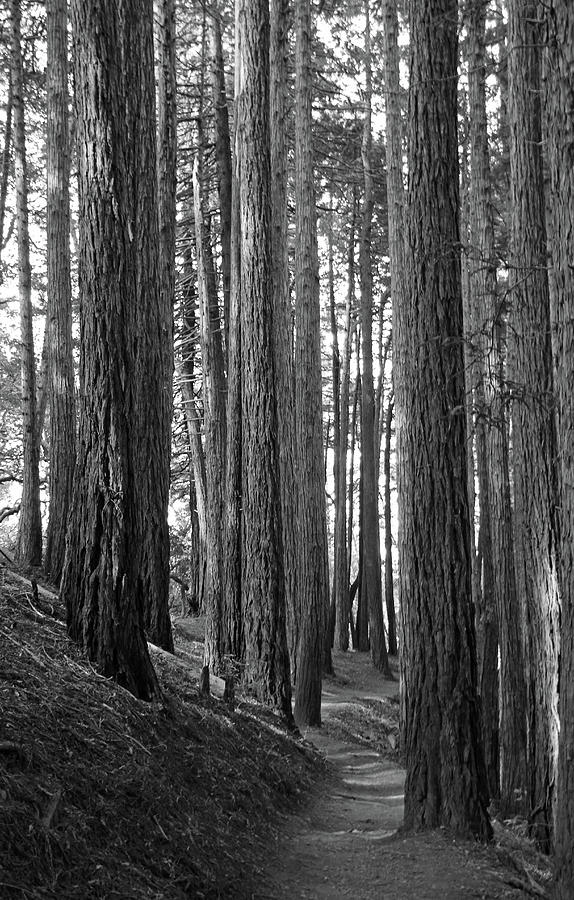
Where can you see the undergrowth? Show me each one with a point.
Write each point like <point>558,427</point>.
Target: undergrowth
<point>105,796</point>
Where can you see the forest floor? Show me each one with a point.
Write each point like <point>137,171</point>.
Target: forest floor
<point>104,796</point>
<point>347,841</point>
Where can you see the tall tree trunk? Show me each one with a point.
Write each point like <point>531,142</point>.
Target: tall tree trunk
<point>59,313</point>
<point>283,319</point>
<point>313,587</point>
<point>122,373</point>
<point>29,546</point>
<point>341,561</point>
<point>233,495</point>
<point>214,391</point>
<point>481,304</point>
<point>371,586</point>
<point>395,202</point>
<point>5,170</point>
<point>534,443</point>
<point>561,142</point>
<point>263,582</point>
<point>187,378</point>
<point>446,780</point>
<point>224,163</point>
<point>389,584</point>
<point>160,342</point>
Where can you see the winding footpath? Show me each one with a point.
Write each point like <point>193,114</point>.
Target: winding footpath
<point>346,841</point>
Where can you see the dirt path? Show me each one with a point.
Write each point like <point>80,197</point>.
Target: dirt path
<point>346,842</point>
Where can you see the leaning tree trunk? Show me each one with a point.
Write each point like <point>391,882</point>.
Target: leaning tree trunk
<point>121,365</point>
<point>29,546</point>
<point>446,782</point>
<point>533,430</point>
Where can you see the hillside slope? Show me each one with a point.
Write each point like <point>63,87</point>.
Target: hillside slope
<point>104,796</point>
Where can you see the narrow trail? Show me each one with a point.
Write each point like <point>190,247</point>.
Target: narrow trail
<point>345,844</point>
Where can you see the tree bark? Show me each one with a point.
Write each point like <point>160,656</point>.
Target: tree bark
<point>29,542</point>
<point>371,586</point>
<point>5,171</point>
<point>312,583</point>
<point>214,392</point>
<point>446,782</point>
<point>341,561</point>
<point>533,430</point>
<point>224,163</point>
<point>121,365</point>
<point>59,313</point>
<point>389,583</point>
<point>283,318</point>
<point>395,202</point>
<point>482,302</point>
<point>560,106</point>
<point>263,583</point>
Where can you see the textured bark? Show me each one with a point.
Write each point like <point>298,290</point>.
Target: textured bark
<point>341,560</point>
<point>156,558</point>
<point>233,496</point>
<point>395,202</point>
<point>560,104</point>
<point>224,163</point>
<point>29,542</point>
<point>534,444</point>
<point>482,301</point>
<point>446,777</point>
<point>263,584</point>
<point>214,391</point>
<point>389,584</point>
<point>371,586</point>
<point>313,585</point>
<point>121,363</point>
<point>351,497</point>
<point>187,377</point>
<point>59,313</point>
<point>5,170</point>
<point>283,318</point>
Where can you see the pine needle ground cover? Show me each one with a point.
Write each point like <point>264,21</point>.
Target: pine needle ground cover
<point>104,796</point>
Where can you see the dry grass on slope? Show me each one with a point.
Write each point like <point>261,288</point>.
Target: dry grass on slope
<point>103,796</point>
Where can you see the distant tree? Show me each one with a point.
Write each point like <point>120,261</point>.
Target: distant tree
<point>560,107</point>
<point>104,581</point>
<point>5,170</point>
<point>312,576</point>
<point>395,205</point>
<point>533,428</point>
<point>29,547</point>
<point>371,586</point>
<point>446,777</point>
<point>341,555</point>
<point>59,295</point>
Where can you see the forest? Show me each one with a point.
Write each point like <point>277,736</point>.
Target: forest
<point>287,342</point>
